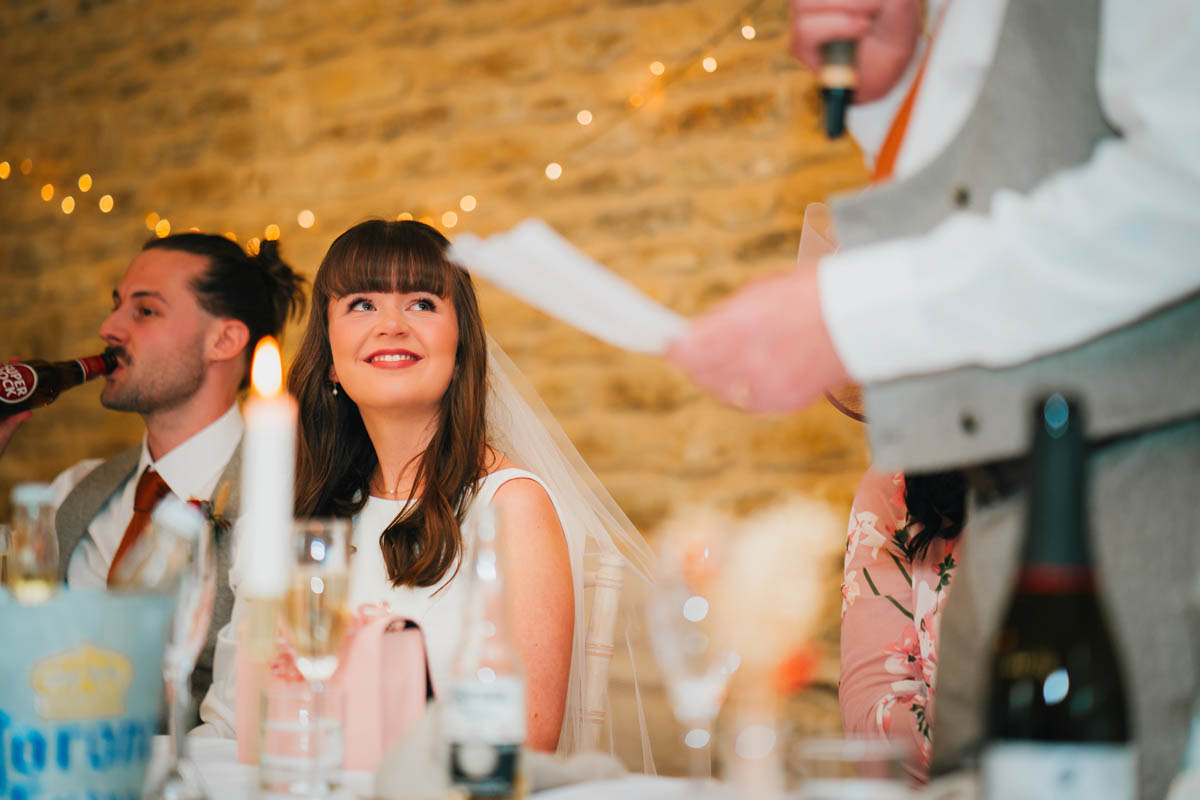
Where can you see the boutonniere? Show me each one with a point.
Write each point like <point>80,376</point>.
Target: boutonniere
<point>213,509</point>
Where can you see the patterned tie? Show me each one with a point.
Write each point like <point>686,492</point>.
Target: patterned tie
<point>150,489</point>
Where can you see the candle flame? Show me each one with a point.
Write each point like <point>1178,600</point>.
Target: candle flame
<point>266,371</point>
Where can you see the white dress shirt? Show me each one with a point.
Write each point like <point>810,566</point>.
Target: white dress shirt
<point>1089,250</point>
<point>191,470</point>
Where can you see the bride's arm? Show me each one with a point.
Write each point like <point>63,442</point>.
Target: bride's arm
<point>541,597</point>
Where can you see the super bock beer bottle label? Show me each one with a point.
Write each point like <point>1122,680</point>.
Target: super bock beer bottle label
<point>17,382</point>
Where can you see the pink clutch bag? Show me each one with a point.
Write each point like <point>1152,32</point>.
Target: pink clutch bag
<point>383,675</point>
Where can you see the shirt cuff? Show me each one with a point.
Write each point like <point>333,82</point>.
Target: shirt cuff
<point>870,307</point>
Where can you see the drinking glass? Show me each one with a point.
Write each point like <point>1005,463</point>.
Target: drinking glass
<point>694,663</point>
<point>315,617</point>
<point>179,548</point>
<point>32,562</point>
<point>849,769</point>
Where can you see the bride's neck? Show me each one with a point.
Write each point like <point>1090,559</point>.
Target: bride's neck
<point>399,443</point>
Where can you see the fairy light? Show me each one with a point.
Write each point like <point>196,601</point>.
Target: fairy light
<point>306,218</point>
<point>5,170</point>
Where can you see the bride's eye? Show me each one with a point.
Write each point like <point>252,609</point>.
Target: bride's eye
<point>361,304</point>
<point>424,304</point>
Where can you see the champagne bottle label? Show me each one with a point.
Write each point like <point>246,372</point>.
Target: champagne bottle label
<point>486,770</point>
<point>17,382</point>
<point>1059,771</point>
<point>488,712</point>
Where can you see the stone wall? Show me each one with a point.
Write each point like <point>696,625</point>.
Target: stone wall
<point>229,116</point>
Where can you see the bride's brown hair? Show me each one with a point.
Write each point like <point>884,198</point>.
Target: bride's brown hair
<point>335,457</point>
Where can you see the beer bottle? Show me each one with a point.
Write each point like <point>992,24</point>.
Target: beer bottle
<point>33,384</point>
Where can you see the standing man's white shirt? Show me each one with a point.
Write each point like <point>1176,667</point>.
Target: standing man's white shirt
<point>999,289</point>
<point>191,470</point>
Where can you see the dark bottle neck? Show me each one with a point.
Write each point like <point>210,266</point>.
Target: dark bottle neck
<point>1057,539</point>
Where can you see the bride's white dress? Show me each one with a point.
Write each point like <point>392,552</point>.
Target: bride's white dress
<point>439,609</point>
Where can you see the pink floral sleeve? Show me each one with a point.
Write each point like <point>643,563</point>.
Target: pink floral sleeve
<point>891,609</point>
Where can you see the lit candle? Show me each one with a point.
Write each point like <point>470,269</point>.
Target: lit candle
<point>268,465</point>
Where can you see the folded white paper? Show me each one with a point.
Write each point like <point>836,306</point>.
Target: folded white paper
<point>540,267</point>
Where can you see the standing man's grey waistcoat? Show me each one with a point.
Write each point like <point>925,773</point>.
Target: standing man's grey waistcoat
<point>99,486</point>
<point>1038,112</point>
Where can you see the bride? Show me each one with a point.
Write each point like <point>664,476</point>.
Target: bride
<point>407,424</point>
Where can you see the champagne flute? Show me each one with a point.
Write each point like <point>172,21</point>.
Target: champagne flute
<point>315,615</point>
<point>32,562</point>
<point>178,554</point>
<point>694,663</point>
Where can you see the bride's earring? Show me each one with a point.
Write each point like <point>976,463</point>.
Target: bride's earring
<point>335,390</point>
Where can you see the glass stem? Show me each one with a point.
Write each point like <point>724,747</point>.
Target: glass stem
<point>175,721</point>
<point>314,742</point>
<point>699,757</point>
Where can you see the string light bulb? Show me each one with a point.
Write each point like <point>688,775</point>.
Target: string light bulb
<point>554,170</point>
<point>404,216</point>
<point>449,219</point>
<point>106,204</point>
<point>27,166</point>
<point>271,233</point>
<point>709,63</point>
<point>163,228</point>
<point>5,170</point>
<point>306,219</point>
<point>68,204</point>
<point>748,32</point>
<point>231,236</point>
<point>151,220</point>
<point>584,117</point>
<point>252,246</point>
<point>48,192</point>
<point>657,68</point>
<point>636,100</point>
<point>467,203</point>
<point>85,182</point>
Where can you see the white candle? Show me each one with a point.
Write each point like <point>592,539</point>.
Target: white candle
<point>268,466</point>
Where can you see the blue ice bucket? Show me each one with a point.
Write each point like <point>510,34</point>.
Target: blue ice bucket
<point>81,694</point>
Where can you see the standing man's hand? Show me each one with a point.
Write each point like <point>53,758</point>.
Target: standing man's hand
<point>886,32</point>
<point>8,427</point>
<point>766,348</point>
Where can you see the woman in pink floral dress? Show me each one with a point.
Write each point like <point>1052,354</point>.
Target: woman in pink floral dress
<point>900,559</point>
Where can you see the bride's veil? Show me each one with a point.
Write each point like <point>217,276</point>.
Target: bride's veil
<point>523,428</point>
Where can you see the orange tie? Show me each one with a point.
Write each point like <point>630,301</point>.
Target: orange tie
<point>150,489</point>
<point>886,162</point>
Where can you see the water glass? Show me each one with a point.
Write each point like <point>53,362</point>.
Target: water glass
<point>849,769</point>
<point>302,744</point>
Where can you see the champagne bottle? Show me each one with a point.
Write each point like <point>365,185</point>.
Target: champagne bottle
<point>485,705</point>
<point>33,384</point>
<point>838,78</point>
<point>1057,723</point>
<point>32,569</point>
